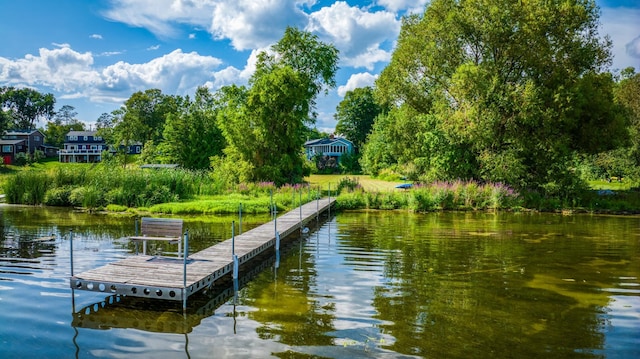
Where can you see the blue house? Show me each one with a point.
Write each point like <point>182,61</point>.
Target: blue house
<point>333,147</point>
<point>82,147</point>
<point>87,147</point>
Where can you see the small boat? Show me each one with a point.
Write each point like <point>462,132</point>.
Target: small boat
<point>404,186</point>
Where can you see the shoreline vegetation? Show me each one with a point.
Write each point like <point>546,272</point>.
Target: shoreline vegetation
<point>114,189</point>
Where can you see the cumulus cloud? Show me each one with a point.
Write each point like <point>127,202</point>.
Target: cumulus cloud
<point>358,34</point>
<point>62,69</point>
<point>96,36</point>
<point>362,79</point>
<point>410,6</point>
<point>621,24</point>
<point>633,48</point>
<point>160,16</point>
<point>255,23</point>
<point>73,73</point>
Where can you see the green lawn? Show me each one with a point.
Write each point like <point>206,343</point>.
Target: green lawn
<point>368,184</point>
<point>613,186</point>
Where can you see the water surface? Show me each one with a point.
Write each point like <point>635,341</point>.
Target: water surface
<point>362,285</point>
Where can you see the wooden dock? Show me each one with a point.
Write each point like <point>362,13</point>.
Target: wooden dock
<point>173,278</point>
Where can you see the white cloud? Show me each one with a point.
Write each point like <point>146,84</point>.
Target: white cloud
<point>62,69</point>
<point>255,23</point>
<point>633,48</point>
<point>96,36</point>
<point>362,79</point>
<point>72,73</point>
<point>173,73</point>
<point>110,53</point>
<point>159,16</point>
<point>621,24</point>
<point>410,6</point>
<point>154,47</point>
<point>358,34</point>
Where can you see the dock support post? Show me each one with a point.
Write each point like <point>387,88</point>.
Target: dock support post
<point>184,271</point>
<point>233,250</point>
<point>71,249</point>
<point>329,209</point>
<point>300,210</point>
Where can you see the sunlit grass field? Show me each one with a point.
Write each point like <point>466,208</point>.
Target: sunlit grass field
<point>368,183</point>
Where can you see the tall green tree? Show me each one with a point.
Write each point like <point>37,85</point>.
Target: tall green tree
<point>192,136</point>
<point>627,95</point>
<point>66,115</point>
<point>144,115</point>
<point>64,121</point>
<point>355,115</point>
<point>26,106</point>
<point>514,82</point>
<point>264,125</point>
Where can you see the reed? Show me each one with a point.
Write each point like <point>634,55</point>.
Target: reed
<point>455,195</point>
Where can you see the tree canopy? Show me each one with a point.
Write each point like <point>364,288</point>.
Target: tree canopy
<point>264,125</point>
<point>355,115</point>
<point>25,107</point>
<point>519,84</point>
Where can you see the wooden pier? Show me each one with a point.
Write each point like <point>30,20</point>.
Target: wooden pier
<point>172,278</point>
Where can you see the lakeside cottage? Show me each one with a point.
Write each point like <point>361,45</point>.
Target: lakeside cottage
<point>332,147</point>
<point>87,147</point>
<point>23,141</point>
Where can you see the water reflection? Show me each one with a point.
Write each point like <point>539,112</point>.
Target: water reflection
<point>374,284</point>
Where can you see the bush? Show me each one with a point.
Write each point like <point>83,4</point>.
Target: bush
<point>59,196</point>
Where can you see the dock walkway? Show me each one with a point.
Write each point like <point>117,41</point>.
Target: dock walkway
<point>174,278</point>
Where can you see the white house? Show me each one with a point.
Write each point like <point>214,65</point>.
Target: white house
<point>332,146</point>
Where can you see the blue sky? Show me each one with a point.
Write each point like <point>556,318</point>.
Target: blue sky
<point>94,54</point>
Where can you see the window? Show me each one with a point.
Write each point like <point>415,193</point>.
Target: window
<point>97,138</point>
<point>137,149</point>
<point>36,138</point>
<point>86,138</point>
<point>73,138</point>
<point>6,149</point>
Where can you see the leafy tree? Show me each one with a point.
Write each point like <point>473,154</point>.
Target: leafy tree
<point>25,106</point>
<point>144,115</point>
<point>192,136</point>
<point>411,143</point>
<point>55,132</point>
<point>518,84</point>
<point>315,62</point>
<point>264,125</point>
<point>64,121</point>
<point>66,115</point>
<point>627,95</point>
<point>106,120</point>
<point>355,115</point>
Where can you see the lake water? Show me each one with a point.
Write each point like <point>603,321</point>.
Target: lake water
<point>361,285</point>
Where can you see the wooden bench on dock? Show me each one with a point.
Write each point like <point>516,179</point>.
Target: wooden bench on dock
<point>159,229</point>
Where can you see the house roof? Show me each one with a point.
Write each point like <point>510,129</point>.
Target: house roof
<point>82,133</point>
<point>21,132</point>
<point>326,141</point>
<point>11,142</point>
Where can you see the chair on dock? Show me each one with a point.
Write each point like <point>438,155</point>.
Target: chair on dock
<point>159,229</point>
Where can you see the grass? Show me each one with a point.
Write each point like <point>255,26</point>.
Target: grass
<point>612,186</point>
<point>367,183</point>
<point>116,189</point>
